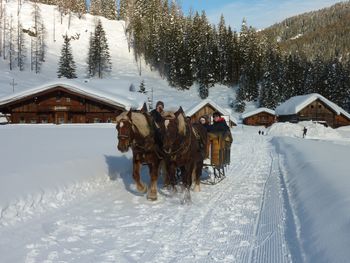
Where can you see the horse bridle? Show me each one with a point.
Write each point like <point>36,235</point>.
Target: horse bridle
<point>132,142</point>
<point>121,135</point>
<point>183,146</point>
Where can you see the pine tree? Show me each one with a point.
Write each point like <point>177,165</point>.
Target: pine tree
<point>240,103</point>
<point>37,40</point>
<point>21,47</point>
<point>271,85</point>
<point>66,64</point>
<point>142,88</point>
<point>99,61</point>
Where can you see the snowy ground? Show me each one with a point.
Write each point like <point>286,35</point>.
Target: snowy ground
<point>76,201</point>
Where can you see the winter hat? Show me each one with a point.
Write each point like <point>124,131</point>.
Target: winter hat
<point>160,103</point>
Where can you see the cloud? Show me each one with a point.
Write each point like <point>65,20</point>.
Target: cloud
<point>263,13</point>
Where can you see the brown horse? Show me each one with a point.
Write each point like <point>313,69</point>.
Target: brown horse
<point>135,131</point>
<point>184,148</point>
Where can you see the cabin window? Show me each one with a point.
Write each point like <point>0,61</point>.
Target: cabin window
<point>109,120</point>
<point>33,121</point>
<point>44,120</point>
<point>312,106</point>
<point>320,106</point>
<point>22,120</point>
<point>97,120</point>
<point>58,98</point>
<point>61,120</point>
<point>67,99</point>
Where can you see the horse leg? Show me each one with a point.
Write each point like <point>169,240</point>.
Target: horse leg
<point>198,174</point>
<point>153,171</point>
<point>164,172</point>
<point>195,179</point>
<point>186,183</point>
<point>140,186</point>
<point>171,171</point>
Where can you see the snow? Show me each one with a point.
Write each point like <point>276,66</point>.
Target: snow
<point>251,113</point>
<point>67,194</point>
<point>317,179</point>
<point>297,103</point>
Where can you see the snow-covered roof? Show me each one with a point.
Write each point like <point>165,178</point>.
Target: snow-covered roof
<point>251,113</point>
<point>120,97</point>
<point>197,106</point>
<point>297,103</point>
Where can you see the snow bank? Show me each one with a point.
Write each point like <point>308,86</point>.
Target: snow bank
<point>44,166</point>
<point>314,130</point>
<point>318,182</point>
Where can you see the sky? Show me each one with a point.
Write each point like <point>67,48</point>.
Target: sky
<point>259,13</point>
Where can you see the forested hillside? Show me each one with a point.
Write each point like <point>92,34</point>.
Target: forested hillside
<point>324,33</point>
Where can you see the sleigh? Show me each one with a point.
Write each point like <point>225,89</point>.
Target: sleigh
<point>218,157</point>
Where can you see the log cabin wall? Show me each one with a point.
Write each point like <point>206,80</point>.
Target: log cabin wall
<point>317,111</point>
<point>260,119</point>
<point>206,110</point>
<point>61,106</point>
<point>341,120</point>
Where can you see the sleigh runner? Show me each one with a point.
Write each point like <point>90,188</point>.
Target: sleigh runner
<point>218,157</point>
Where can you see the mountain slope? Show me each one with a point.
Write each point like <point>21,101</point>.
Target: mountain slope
<point>324,33</point>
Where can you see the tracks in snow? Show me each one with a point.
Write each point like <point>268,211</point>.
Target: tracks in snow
<point>241,219</point>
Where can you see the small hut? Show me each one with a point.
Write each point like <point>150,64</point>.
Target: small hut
<point>312,107</point>
<point>259,117</point>
<point>208,107</point>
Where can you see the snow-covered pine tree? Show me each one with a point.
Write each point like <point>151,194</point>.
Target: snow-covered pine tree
<point>99,60</point>
<point>142,88</point>
<point>251,64</point>
<point>240,103</point>
<point>271,84</point>
<point>66,65</point>
<point>223,43</point>
<point>294,77</point>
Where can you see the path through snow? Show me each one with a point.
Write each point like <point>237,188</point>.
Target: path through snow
<point>241,219</point>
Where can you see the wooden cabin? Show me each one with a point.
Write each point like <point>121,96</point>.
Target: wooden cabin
<point>313,107</point>
<point>61,103</point>
<point>208,107</point>
<point>259,117</point>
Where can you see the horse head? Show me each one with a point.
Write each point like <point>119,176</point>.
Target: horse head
<point>173,130</point>
<point>125,131</point>
<point>133,130</point>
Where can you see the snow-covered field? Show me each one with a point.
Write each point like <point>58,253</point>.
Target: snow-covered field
<point>66,195</point>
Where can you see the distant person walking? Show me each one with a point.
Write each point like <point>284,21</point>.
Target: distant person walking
<point>304,132</point>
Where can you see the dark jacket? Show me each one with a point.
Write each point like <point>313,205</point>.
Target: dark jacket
<point>219,126</point>
<point>157,117</point>
<point>206,126</point>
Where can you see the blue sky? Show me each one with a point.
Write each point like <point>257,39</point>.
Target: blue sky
<point>259,13</point>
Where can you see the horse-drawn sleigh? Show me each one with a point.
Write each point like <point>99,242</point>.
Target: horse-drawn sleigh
<point>182,146</point>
